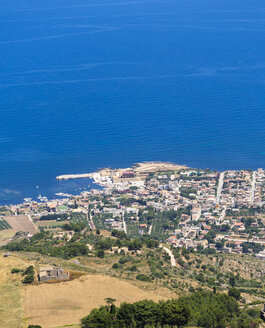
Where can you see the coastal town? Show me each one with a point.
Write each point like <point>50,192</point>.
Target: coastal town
<point>176,205</point>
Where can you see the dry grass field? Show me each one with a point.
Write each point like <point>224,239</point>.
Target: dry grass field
<point>61,304</point>
<point>6,235</point>
<point>157,166</point>
<point>51,305</point>
<point>11,292</point>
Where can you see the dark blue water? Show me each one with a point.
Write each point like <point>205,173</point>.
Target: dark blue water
<point>89,84</point>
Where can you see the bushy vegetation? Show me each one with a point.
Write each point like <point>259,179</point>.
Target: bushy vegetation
<point>74,226</point>
<point>54,216</point>
<point>140,314</point>
<point>234,292</point>
<point>185,192</point>
<point>256,248</point>
<point>29,275</point>
<point>119,234</point>
<point>44,244</point>
<point>143,277</point>
<point>199,309</point>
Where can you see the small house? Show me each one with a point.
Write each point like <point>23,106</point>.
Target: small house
<point>52,273</point>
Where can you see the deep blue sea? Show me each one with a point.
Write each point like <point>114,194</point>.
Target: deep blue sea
<point>86,84</point>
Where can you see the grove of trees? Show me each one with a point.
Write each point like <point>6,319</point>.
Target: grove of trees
<point>200,309</point>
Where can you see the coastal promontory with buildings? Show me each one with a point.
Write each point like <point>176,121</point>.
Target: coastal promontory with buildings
<point>176,204</point>
<point>156,230</point>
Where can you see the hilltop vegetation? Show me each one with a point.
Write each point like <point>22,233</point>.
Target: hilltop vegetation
<point>201,309</point>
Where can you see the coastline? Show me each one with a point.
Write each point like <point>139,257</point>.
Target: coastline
<point>107,178</point>
<point>142,167</point>
<point>103,177</point>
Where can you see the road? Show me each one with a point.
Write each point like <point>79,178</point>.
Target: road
<point>220,187</point>
<point>90,221</point>
<point>222,216</point>
<point>124,225</point>
<point>92,225</point>
<point>262,242</point>
<point>150,229</point>
<point>172,258</point>
<point>253,185</point>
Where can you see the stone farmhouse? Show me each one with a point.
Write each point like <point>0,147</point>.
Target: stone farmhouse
<point>52,273</point>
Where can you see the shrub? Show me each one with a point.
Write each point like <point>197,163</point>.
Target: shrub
<point>143,277</point>
<point>234,292</point>
<point>133,268</point>
<point>15,270</point>
<point>119,234</point>
<point>181,262</point>
<point>29,278</point>
<point>124,259</point>
<point>115,266</point>
<point>159,275</point>
<point>29,270</point>
<point>100,253</point>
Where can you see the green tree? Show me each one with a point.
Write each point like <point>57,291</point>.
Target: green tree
<point>145,313</point>
<point>100,253</point>
<point>176,314</point>
<point>143,277</point>
<point>234,292</point>
<point>210,310</point>
<point>232,281</point>
<point>125,316</point>
<point>98,318</point>
<point>29,278</point>
<point>245,320</point>
<point>110,300</point>
<point>135,245</point>
<point>29,270</point>
<point>113,309</point>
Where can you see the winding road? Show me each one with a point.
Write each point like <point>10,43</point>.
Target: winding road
<point>172,258</point>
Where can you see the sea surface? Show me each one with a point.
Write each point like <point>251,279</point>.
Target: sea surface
<point>86,84</point>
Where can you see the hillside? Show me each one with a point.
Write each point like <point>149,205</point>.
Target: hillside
<point>111,265</point>
<point>11,292</point>
<point>63,303</point>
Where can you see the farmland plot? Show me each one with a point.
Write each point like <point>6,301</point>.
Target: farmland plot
<point>21,223</point>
